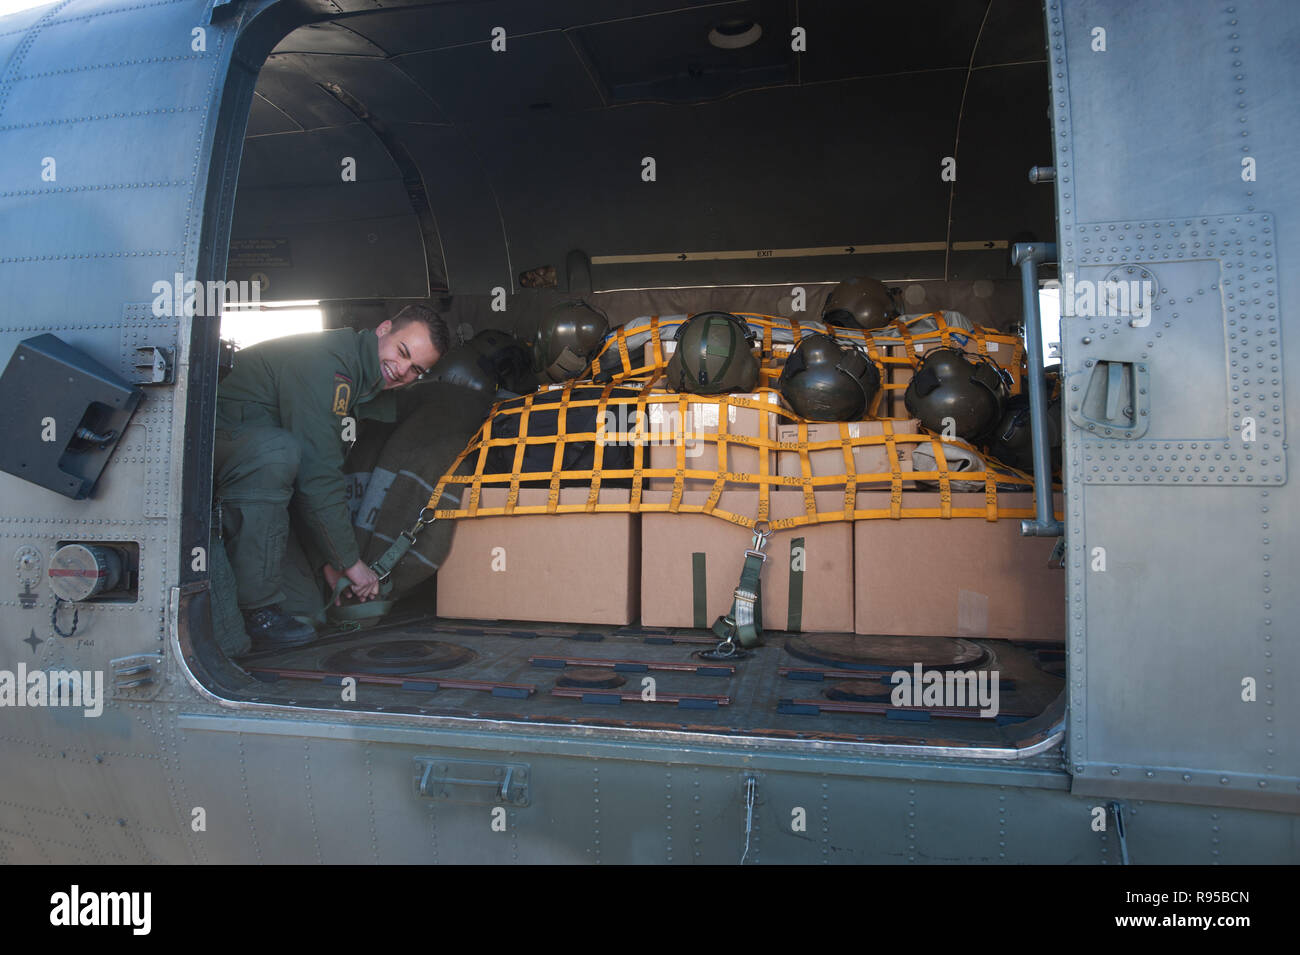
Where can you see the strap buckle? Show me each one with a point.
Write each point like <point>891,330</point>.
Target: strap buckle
<point>394,554</point>
<point>727,648</point>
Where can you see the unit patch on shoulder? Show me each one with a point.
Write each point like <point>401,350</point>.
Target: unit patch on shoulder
<point>342,394</point>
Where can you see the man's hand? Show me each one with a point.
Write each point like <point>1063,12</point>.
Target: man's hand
<point>365,582</point>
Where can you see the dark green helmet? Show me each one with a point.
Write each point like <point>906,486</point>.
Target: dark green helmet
<point>860,303</point>
<point>490,360</point>
<point>714,355</point>
<point>507,358</point>
<point>1012,440</point>
<point>956,394</point>
<point>825,381</point>
<point>568,338</point>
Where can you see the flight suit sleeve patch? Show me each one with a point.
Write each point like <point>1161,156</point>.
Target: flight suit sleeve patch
<point>342,394</point>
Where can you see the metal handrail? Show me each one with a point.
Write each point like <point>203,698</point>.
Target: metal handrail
<point>1027,255</point>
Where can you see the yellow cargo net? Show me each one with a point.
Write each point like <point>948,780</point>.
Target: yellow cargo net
<point>469,474</point>
<point>892,348</point>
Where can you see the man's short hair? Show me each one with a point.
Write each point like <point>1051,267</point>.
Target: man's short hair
<point>431,320</point>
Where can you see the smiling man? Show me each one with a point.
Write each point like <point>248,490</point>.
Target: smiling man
<point>286,415</point>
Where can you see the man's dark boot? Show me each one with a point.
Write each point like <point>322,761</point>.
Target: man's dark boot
<point>270,628</point>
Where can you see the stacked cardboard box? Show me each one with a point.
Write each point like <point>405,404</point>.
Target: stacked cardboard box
<point>691,563</point>
<point>668,429</point>
<point>867,459</point>
<point>962,577</point>
<point>562,568</point>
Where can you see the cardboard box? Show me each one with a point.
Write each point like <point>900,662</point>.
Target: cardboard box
<point>559,568</point>
<point>667,346</point>
<point>962,577</point>
<point>867,459</point>
<point>677,550</point>
<point>667,427</point>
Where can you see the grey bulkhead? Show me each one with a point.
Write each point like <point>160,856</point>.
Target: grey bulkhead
<point>146,173</point>
<point>1178,163</point>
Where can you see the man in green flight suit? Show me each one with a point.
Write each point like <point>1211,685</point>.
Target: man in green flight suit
<point>286,415</point>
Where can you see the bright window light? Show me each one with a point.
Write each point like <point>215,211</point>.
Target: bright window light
<point>248,326</point>
<point>1049,304</point>
<point>14,6</point>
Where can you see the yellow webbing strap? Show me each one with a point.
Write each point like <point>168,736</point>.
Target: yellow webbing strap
<point>643,421</point>
<point>623,354</point>
<point>561,444</point>
<point>657,350</point>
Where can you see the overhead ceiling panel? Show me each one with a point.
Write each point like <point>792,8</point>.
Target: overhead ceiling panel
<point>1013,33</point>
<point>315,157</point>
<point>283,82</point>
<point>993,197</point>
<point>455,24</point>
<point>539,72</point>
<point>671,58</point>
<point>388,93</point>
<point>869,39</point>
<point>743,173</point>
<point>264,119</point>
<point>332,38</point>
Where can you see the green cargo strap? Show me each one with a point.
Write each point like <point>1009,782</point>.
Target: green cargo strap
<point>798,560</point>
<point>699,591</point>
<point>744,624</point>
<point>383,568</point>
<point>363,613</point>
<point>389,559</point>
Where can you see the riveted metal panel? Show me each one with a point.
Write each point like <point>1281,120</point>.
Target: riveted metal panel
<point>114,94</point>
<point>140,328</point>
<point>1178,539</point>
<point>1209,331</point>
<point>278,794</point>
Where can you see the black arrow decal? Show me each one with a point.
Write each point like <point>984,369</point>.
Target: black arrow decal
<point>851,249</point>
<point>682,257</point>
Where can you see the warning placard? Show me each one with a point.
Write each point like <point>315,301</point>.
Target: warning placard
<point>259,254</point>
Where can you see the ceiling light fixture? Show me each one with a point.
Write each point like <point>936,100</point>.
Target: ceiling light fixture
<point>735,33</point>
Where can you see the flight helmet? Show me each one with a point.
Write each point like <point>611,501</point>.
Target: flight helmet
<point>1012,441</point>
<point>825,381</point>
<point>950,384</point>
<point>860,303</point>
<point>568,338</point>
<point>490,360</point>
<point>714,354</point>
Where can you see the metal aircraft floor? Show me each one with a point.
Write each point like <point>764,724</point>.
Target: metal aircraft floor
<point>516,669</point>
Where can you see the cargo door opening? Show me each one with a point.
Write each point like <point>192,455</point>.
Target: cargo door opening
<point>654,181</point>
